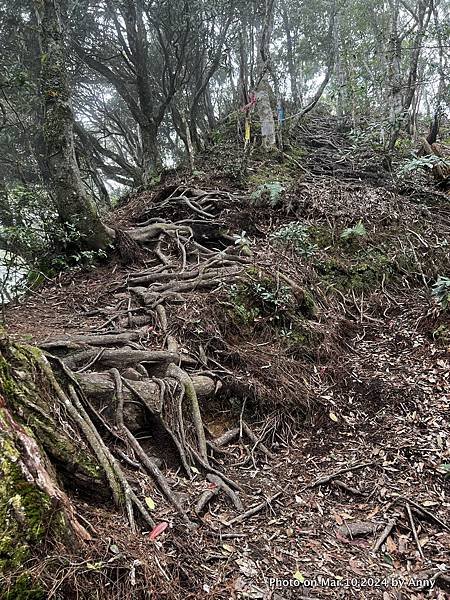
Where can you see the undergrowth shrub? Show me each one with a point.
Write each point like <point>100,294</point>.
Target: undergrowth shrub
<point>268,194</point>
<point>351,233</point>
<point>422,162</point>
<point>295,235</point>
<point>264,298</point>
<point>441,292</point>
<point>34,240</point>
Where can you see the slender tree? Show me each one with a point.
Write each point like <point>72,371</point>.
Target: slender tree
<point>73,204</point>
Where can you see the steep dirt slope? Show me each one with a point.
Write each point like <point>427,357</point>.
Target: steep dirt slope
<point>295,295</point>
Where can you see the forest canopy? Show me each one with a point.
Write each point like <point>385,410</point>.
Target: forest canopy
<point>123,88</point>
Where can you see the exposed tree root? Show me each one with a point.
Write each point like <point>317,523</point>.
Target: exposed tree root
<point>111,386</point>
<point>205,498</point>
<point>256,441</point>
<point>227,490</point>
<point>156,474</point>
<point>126,357</point>
<point>120,488</point>
<point>183,378</point>
<point>74,341</point>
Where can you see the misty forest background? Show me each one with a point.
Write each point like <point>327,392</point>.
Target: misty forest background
<point>97,96</point>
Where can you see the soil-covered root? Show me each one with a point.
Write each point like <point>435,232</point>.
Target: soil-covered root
<point>139,396</point>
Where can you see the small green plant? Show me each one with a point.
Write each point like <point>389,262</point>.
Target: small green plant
<point>441,291</point>
<point>268,193</point>
<point>422,162</point>
<point>441,335</point>
<point>246,315</point>
<point>84,258</point>
<point>262,298</point>
<point>241,240</point>
<point>272,299</point>
<point>217,136</point>
<point>295,235</point>
<point>371,135</point>
<point>352,233</point>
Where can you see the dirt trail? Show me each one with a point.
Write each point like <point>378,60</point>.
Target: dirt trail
<point>346,389</point>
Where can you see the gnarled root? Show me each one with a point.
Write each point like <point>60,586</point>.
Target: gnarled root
<point>189,389</point>
<point>120,488</point>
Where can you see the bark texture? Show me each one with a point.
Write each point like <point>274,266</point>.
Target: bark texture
<point>34,509</point>
<point>73,204</point>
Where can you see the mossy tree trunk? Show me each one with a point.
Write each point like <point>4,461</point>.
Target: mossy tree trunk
<point>38,455</point>
<point>73,203</point>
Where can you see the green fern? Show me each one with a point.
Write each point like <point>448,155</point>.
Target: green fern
<point>296,236</point>
<point>268,192</point>
<point>356,231</point>
<point>441,291</point>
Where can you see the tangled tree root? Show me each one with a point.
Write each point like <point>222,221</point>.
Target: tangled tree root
<point>101,389</point>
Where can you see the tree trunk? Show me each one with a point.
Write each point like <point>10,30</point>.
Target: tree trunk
<point>209,109</point>
<point>394,81</point>
<point>401,103</point>
<point>265,114</point>
<point>151,160</point>
<point>34,509</point>
<point>72,202</point>
<point>340,74</point>
<point>263,90</point>
<point>290,53</point>
<point>332,53</point>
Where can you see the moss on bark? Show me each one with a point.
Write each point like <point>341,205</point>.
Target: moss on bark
<point>26,513</point>
<point>30,398</point>
<point>34,439</point>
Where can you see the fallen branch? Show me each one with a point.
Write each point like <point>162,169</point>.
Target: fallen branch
<point>414,531</point>
<point>253,511</point>
<point>347,488</point>
<point>384,534</point>
<point>227,437</point>
<point>329,478</point>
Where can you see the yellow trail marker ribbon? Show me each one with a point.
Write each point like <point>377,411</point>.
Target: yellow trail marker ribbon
<point>247,131</point>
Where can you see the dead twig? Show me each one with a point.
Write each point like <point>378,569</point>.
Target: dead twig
<point>91,362</point>
<point>414,531</point>
<point>257,441</point>
<point>253,511</point>
<point>422,510</point>
<point>329,478</point>
<point>347,488</point>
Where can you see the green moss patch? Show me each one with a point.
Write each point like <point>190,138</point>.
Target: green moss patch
<point>364,272</point>
<point>25,511</point>
<point>23,588</point>
<point>262,302</point>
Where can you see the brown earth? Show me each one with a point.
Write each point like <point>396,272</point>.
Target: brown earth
<point>353,399</point>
